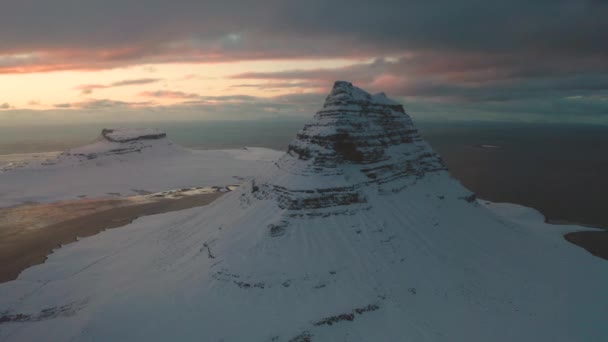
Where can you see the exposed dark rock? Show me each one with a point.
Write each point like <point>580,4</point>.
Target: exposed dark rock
<point>278,229</point>
<point>107,134</point>
<point>245,285</point>
<point>209,254</point>
<point>347,316</point>
<point>303,337</point>
<point>368,139</point>
<point>470,198</point>
<point>48,313</point>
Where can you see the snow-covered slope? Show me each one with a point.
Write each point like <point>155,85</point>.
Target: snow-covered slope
<point>126,161</point>
<point>358,233</point>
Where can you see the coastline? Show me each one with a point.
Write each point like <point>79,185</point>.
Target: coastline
<point>31,232</point>
<point>27,240</point>
<point>594,242</point>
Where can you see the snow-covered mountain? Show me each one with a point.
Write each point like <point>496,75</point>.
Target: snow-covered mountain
<point>357,233</point>
<point>126,162</point>
<point>123,144</point>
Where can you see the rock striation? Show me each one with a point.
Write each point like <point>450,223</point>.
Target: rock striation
<point>356,140</point>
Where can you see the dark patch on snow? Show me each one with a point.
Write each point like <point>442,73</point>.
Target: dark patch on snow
<point>245,285</point>
<point>346,316</point>
<point>303,337</point>
<point>209,254</point>
<point>48,313</point>
<point>389,239</point>
<point>278,229</point>
<point>107,132</point>
<point>470,198</point>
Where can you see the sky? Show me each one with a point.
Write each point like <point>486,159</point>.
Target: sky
<point>66,61</point>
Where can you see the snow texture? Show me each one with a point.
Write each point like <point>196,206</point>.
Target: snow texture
<point>317,250</point>
<point>126,167</point>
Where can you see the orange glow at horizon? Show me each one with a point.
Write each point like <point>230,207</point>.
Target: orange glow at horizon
<point>45,90</point>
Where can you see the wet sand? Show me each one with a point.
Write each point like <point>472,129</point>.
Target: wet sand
<point>29,233</point>
<point>595,242</point>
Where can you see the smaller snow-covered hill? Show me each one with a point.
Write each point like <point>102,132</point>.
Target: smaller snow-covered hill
<point>126,162</point>
<point>118,145</point>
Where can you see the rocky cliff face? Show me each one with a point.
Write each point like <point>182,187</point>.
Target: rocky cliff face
<point>357,140</point>
<point>129,135</point>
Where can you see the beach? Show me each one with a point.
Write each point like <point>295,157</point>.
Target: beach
<point>30,232</point>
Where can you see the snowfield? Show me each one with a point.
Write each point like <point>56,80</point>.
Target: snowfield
<point>357,233</point>
<point>104,167</point>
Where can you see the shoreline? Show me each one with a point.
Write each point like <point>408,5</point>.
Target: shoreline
<point>29,233</point>
<point>593,241</point>
<point>27,241</point>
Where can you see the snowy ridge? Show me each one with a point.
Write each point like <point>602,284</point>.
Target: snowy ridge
<point>121,144</point>
<point>316,250</point>
<point>125,162</point>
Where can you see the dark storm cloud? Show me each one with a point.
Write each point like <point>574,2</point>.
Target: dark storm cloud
<point>495,78</point>
<point>113,32</point>
<point>499,53</point>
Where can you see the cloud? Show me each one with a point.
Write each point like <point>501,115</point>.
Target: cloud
<point>476,54</point>
<point>455,78</point>
<point>168,94</point>
<point>301,107</point>
<point>277,85</point>
<point>107,34</point>
<point>89,88</point>
<point>101,104</point>
<point>298,107</point>
<point>196,98</point>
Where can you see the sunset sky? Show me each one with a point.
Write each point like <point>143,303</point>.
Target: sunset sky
<point>116,60</point>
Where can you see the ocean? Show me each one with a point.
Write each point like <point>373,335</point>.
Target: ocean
<point>559,169</point>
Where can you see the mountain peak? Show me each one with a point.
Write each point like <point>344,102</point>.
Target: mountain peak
<point>355,141</point>
<point>344,91</point>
